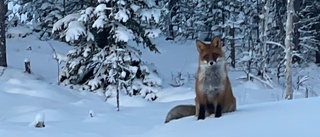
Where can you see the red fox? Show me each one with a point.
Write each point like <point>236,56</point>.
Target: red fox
<point>213,88</point>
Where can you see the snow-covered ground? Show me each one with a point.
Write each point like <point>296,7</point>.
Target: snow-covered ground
<point>25,98</point>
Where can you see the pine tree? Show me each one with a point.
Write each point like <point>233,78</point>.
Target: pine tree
<point>103,58</point>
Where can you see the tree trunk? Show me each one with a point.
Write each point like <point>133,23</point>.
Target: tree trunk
<point>288,51</point>
<point>233,49</point>
<point>223,23</point>
<point>257,28</point>
<point>265,11</point>
<point>172,13</point>
<point>296,34</point>
<point>64,8</point>
<point>209,24</point>
<point>3,55</point>
<point>318,55</point>
<point>250,50</point>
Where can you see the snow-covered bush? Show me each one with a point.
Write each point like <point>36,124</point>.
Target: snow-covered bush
<point>102,58</point>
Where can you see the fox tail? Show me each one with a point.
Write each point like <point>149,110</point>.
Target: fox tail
<point>180,111</point>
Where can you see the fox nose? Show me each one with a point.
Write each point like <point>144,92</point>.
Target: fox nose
<point>211,63</point>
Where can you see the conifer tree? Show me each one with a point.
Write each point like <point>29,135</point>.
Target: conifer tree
<point>104,59</point>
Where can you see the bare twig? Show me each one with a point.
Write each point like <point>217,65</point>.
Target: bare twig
<point>55,58</point>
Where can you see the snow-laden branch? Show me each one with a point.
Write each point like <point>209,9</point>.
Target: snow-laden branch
<point>276,43</point>
<point>124,34</point>
<point>74,31</point>
<point>64,22</point>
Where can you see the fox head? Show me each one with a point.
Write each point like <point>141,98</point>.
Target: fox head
<point>210,54</point>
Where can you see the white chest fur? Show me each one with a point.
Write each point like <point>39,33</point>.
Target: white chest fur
<point>212,78</point>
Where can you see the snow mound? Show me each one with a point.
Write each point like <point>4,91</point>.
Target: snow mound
<point>263,120</point>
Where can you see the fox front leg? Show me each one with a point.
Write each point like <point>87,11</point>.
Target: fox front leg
<point>201,103</point>
<point>218,112</point>
<point>202,112</point>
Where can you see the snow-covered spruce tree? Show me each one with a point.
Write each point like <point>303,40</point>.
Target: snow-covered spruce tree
<point>183,23</point>
<point>214,19</point>
<point>264,27</point>
<point>276,37</point>
<point>233,27</point>
<point>44,13</point>
<point>103,58</point>
<point>180,19</point>
<point>39,15</point>
<point>273,32</point>
<point>248,53</point>
<point>170,12</point>
<point>307,31</point>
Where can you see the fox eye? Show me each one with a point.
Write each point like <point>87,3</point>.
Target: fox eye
<point>206,57</point>
<point>215,55</point>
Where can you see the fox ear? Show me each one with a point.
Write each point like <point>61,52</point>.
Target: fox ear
<point>200,45</point>
<point>216,41</point>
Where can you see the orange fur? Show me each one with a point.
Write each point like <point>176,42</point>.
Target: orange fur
<point>208,92</point>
